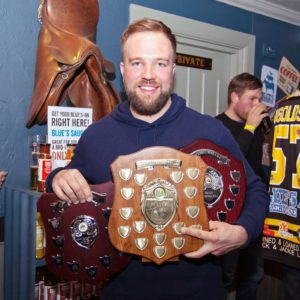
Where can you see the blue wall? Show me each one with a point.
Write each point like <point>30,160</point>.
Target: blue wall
<point>19,29</point>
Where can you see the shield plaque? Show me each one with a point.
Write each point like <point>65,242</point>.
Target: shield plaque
<point>77,243</point>
<point>225,180</point>
<point>157,191</point>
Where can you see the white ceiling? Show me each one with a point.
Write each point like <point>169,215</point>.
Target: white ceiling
<point>284,10</point>
<point>290,4</point>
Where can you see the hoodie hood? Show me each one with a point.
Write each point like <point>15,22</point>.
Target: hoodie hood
<point>123,114</point>
<point>148,134</point>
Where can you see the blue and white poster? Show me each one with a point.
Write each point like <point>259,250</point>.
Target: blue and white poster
<point>65,126</point>
<point>269,80</point>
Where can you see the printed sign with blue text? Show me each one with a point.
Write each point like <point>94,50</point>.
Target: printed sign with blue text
<point>65,126</point>
<point>269,81</point>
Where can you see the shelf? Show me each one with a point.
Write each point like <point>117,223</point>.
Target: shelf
<point>40,263</point>
<point>19,246</point>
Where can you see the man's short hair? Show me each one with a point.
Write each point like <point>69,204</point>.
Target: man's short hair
<point>242,82</point>
<point>149,25</point>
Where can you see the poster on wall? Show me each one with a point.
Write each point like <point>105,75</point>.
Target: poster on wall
<point>269,80</point>
<point>288,78</point>
<point>65,126</point>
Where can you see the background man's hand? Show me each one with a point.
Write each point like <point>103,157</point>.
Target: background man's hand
<point>221,238</point>
<point>3,175</point>
<point>70,185</point>
<point>256,114</point>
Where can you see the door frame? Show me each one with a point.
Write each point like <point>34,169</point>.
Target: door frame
<point>240,46</point>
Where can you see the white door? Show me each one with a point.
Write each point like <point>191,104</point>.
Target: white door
<point>204,90</point>
<point>232,52</point>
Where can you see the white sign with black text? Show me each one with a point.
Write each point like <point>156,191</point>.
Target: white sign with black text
<point>65,126</point>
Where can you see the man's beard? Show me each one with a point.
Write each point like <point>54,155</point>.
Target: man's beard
<point>147,106</point>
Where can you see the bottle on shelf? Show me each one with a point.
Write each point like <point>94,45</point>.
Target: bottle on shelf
<point>44,166</point>
<point>40,237</point>
<point>39,283</point>
<point>70,152</point>
<point>75,290</point>
<point>36,286</point>
<point>50,286</point>
<point>34,147</point>
<point>86,291</point>
<point>63,290</point>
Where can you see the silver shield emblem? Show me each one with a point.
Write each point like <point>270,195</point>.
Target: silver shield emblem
<point>126,212</point>
<point>159,238</point>
<point>213,186</point>
<point>176,176</point>
<point>140,178</point>
<point>127,193</point>
<point>192,173</point>
<point>229,203</point>
<point>177,227</point>
<point>125,174</point>
<point>139,226</point>
<point>124,231</point>
<point>190,191</point>
<point>178,242</point>
<point>235,175</point>
<point>159,251</point>
<point>192,211</point>
<point>141,243</point>
<point>84,231</point>
<point>159,203</point>
<point>234,189</point>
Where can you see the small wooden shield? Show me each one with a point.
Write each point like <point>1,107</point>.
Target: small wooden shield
<point>77,243</point>
<point>225,180</point>
<point>157,191</point>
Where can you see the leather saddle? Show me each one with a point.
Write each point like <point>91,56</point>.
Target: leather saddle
<point>68,63</point>
<point>77,243</point>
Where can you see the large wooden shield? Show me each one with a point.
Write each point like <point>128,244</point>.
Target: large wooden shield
<point>77,243</point>
<point>225,180</point>
<point>157,191</point>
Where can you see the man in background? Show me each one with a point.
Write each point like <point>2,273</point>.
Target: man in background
<point>3,175</point>
<point>281,235</point>
<point>243,117</point>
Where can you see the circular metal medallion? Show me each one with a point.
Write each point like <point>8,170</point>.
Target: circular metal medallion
<point>84,231</point>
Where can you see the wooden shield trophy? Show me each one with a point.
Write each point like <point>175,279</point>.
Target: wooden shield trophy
<point>225,180</point>
<point>158,190</point>
<point>77,243</point>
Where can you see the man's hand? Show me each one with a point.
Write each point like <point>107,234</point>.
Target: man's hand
<point>70,185</point>
<point>256,114</point>
<point>3,175</point>
<point>221,238</point>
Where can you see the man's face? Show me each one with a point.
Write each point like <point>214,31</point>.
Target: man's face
<point>147,69</point>
<point>246,101</point>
